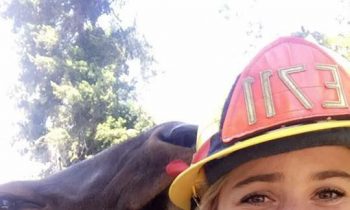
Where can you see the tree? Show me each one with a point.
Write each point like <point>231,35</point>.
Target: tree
<point>259,25</point>
<point>339,43</point>
<point>75,88</point>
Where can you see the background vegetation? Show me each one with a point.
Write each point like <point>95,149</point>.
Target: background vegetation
<point>75,90</point>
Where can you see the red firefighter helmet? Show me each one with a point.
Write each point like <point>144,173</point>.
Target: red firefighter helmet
<point>291,87</point>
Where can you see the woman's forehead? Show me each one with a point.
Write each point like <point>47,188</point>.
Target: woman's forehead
<point>302,161</point>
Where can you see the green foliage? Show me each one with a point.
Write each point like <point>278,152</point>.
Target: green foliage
<point>339,43</point>
<point>75,87</point>
<point>113,131</point>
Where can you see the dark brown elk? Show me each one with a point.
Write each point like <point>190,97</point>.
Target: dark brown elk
<point>129,176</point>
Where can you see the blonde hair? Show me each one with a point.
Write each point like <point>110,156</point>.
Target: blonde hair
<point>210,198</point>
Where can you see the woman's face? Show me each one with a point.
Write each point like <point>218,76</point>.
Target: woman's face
<point>308,179</point>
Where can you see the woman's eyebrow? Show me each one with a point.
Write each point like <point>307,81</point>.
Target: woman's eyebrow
<point>330,174</point>
<point>273,177</point>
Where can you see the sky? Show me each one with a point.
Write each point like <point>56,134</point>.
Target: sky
<point>200,46</point>
<point>13,165</point>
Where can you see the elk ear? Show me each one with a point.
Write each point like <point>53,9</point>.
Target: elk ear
<point>180,134</point>
<point>145,176</point>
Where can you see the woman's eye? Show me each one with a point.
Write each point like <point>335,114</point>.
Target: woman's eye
<point>329,194</point>
<point>255,199</point>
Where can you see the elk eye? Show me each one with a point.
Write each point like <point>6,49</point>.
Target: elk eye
<point>5,204</point>
<point>18,204</point>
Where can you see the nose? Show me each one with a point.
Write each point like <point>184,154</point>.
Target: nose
<point>294,208</point>
<point>294,205</point>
